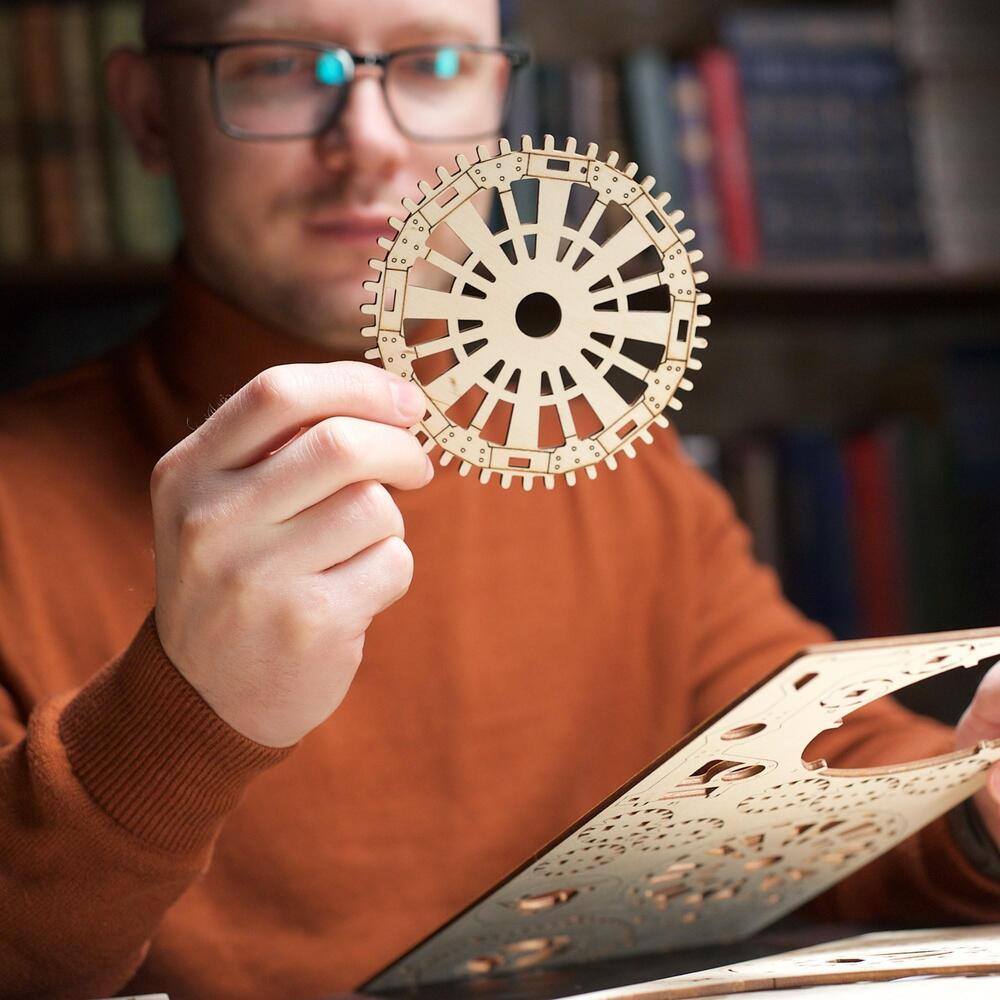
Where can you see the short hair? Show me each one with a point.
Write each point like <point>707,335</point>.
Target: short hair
<point>160,18</point>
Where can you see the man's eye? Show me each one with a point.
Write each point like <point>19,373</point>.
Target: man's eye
<point>281,67</point>
<point>442,64</point>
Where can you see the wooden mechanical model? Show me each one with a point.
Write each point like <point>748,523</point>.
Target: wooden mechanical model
<point>731,829</point>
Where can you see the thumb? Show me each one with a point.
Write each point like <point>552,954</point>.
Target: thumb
<point>981,720</point>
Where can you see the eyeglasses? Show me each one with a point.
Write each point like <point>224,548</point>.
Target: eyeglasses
<point>296,89</point>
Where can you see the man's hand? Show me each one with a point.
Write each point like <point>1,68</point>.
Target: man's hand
<point>276,542</point>
<point>981,721</point>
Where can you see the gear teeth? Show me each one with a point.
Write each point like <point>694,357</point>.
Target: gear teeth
<point>613,158</point>
<point>702,299</point>
<point>591,472</point>
<point>648,183</point>
<point>675,218</point>
<point>699,343</point>
<point>429,445</point>
<point>528,482</point>
<point>504,147</point>
<point>482,153</point>
<point>703,321</point>
<point>385,243</point>
<point>645,436</point>
<point>570,144</point>
<point>675,404</point>
<point>446,458</point>
<point>548,142</point>
<point>373,354</point>
<point>571,479</point>
<point>377,265</point>
<point>686,384</point>
<point>425,188</point>
<point>550,482</point>
<point>464,469</point>
<point>370,286</point>
<point>410,205</point>
<point>661,421</point>
<point>662,199</point>
<point>370,308</point>
<point>443,176</point>
<point>396,224</point>
<point>694,364</point>
<point>485,476</point>
<point>629,449</point>
<point>687,236</point>
<point>462,162</point>
<point>526,143</point>
<point>631,169</point>
<point>696,255</point>
<point>592,151</point>
<point>700,277</point>
<point>611,462</point>
<point>505,480</point>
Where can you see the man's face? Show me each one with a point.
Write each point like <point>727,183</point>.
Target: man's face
<point>286,228</point>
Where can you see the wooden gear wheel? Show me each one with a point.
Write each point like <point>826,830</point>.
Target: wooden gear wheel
<point>551,346</point>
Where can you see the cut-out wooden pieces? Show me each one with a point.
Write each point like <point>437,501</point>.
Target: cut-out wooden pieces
<point>724,834</point>
<point>882,957</point>
<point>553,336</point>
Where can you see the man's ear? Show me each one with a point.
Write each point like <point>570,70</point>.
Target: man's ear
<point>135,91</point>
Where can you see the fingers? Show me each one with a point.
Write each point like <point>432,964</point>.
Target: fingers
<point>337,529</point>
<point>329,456</point>
<point>981,720</point>
<point>370,582</point>
<point>271,408</point>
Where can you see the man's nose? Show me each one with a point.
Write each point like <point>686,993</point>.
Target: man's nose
<point>365,133</point>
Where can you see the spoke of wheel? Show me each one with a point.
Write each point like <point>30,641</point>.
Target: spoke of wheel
<point>630,287</point>
<point>489,403</point>
<point>468,225</point>
<point>584,233</point>
<point>626,364</point>
<point>604,401</point>
<point>450,342</point>
<point>430,303</point>
<point>452,385</point>
<point>651,327</point>
<point>459,271</point>
<point>514,225</point>
<point>523,431</point>
<point>553,200</point>
<point>623,246</point>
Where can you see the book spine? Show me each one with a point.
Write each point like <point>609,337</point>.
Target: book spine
<point>734,180</point>
<point>696,153</point>
<point>15,215</point>
<point>79,65</point>
<point>875,530</point>
<point>42,86</point>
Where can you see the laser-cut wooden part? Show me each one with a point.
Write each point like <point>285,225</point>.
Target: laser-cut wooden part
<point>882,957</point>
<point>547,345</point>
<point>725,833</point>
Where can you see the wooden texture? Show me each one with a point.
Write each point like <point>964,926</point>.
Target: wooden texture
<point>549,334</point>
<point>724,834</point>
<point>882,957</point>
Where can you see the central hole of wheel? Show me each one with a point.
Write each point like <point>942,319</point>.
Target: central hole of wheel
<point>538,315</point>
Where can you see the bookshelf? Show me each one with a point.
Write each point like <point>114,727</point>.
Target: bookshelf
<point>815,364</point>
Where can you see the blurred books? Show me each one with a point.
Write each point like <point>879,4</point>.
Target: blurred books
<point>71,187</point>
<point>828,133</point>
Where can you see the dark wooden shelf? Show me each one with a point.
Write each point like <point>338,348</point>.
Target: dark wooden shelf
<point>771,282</point>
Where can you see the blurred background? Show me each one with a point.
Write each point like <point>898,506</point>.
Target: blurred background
<point>837,163</point>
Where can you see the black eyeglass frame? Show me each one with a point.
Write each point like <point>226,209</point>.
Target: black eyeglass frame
<point>210,51</point>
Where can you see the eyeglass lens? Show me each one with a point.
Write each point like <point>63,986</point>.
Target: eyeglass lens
<point>276,89</point>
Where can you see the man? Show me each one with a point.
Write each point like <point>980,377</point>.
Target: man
<point>178,811</point>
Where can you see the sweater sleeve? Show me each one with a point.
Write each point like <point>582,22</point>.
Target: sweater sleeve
<point>110,800</point>
<point>746,628</point>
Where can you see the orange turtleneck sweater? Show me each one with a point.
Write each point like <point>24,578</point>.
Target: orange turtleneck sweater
<point>551,645</point>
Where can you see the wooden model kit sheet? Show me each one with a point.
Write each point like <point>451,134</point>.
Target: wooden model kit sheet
<point>725,833</point>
